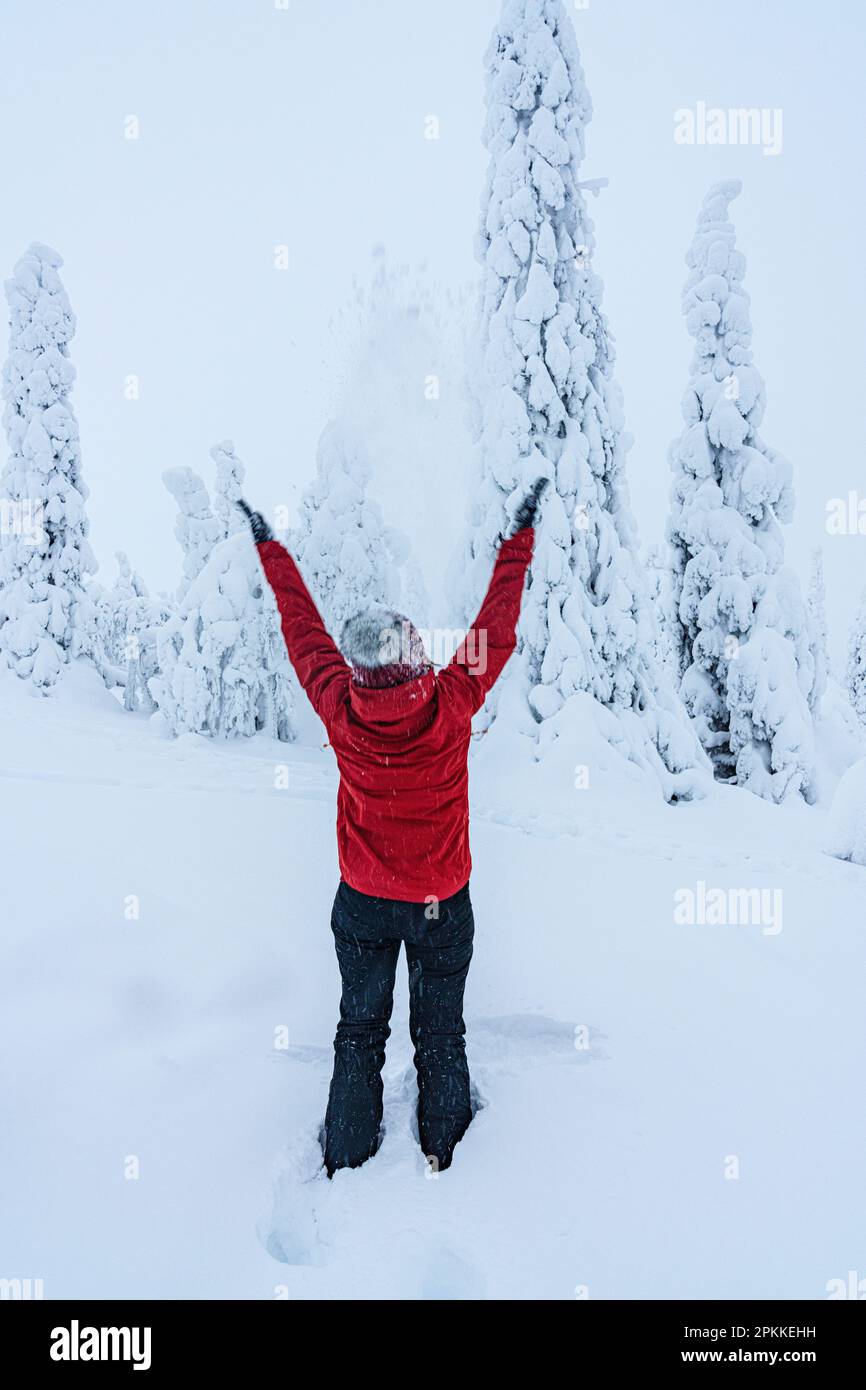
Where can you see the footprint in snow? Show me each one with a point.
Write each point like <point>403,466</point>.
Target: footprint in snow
<point>304,1201</point>
<point>290,1233</point>
<point>530,1040</point>
<point>307,1055</point>
<point>449,1276</point>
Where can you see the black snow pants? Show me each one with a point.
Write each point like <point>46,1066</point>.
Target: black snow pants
<point>367,933</point>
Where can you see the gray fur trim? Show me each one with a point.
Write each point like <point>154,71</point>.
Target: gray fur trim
<point>379,636</point>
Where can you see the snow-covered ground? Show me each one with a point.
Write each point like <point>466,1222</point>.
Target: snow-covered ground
<point>666,1109</point>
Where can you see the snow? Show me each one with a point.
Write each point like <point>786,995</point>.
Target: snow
<point>393,450</point>
<point>621,1060</point>
<point>847,835</point>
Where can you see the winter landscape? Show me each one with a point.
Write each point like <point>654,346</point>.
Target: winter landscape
<point>380,329</point>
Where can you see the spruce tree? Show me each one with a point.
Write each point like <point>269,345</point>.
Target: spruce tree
<point>855,671</point>
<point>749,668</point>
<point>817,612</point>
<point>549,405</point>
<point>46,615</point>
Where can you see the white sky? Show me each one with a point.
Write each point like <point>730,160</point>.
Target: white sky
<point>305,126</point>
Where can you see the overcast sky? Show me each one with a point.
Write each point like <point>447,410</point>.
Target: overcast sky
<point>305,126</point>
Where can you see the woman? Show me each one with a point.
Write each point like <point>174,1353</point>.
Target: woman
<point>400,732</point>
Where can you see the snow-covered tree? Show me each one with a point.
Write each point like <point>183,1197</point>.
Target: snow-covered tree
<point>667,643</point>
<point>855,671</point>
<point>414,598</point>
<point>223,669</point>
<point>220,672</point>
<point>128,584</point>
<point>127,623</point>
<point>112,611</point>
<point>46,615</point>
<point>228,487</point>
<point>145,619</point>
<point>341,543</point>
<point>196,528</point>
<point>750,673</point>
<point>548,404</point>
<point>816,605</point>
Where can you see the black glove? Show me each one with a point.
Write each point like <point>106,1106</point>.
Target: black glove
<point>259,527</point>
<point>525,514</point>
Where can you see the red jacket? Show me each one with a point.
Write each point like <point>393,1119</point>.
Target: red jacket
<point>403,803</point>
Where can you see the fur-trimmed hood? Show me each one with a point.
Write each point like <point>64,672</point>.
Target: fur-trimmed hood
<point>378,637</point>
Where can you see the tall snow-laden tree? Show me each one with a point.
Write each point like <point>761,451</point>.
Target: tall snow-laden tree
<point>548,404</point>
<point>46,615</point>
<point>341,543</point>
<point>196,528</point>
<point>667,644</point>
<point>817,611</point>
<point>855,671</point>
<point>223,667</point>
<point>750,673</point>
